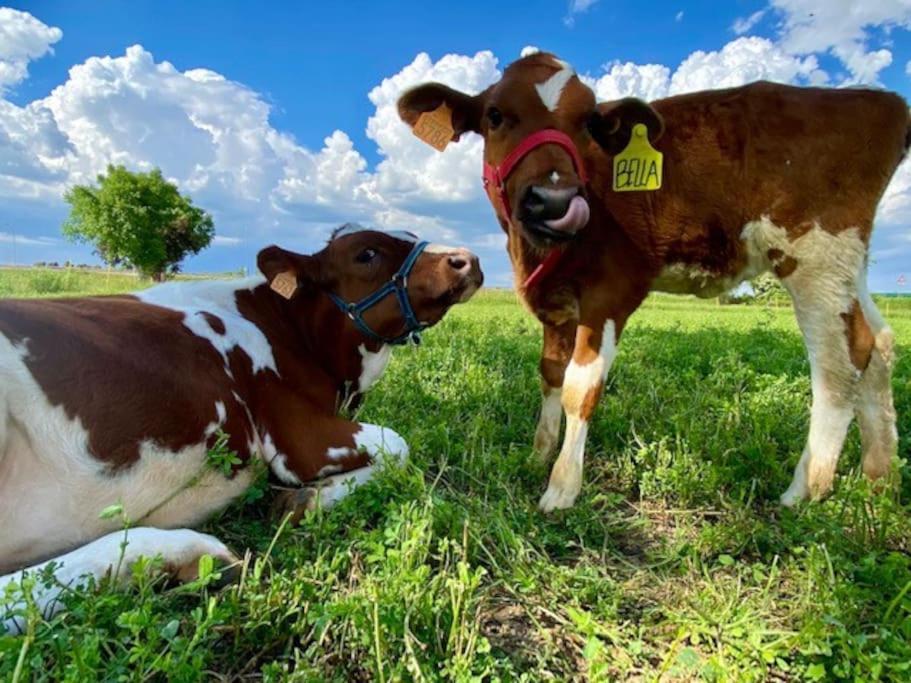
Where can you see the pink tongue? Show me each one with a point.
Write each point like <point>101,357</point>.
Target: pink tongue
<point>574,219</point>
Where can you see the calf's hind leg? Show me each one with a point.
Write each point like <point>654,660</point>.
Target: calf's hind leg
<point>823,287</point>
<point>558,348</point>
<point>875,410</point>
<point>116,553</point>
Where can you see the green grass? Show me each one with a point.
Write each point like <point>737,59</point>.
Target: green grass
<point>675,564</point>
<point>55,282</point>
<point>47,282</point>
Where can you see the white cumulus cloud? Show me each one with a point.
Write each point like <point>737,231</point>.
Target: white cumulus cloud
<point>215,137</point>
<point>741,61</point>
<point>845,28</point>
<point>23,38</point>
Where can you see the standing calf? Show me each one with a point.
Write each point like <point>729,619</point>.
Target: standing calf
<point>758,178</point>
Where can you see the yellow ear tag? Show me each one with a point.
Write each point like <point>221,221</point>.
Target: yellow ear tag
<point>284,284</point>
<point>435,127</point>
<point>639,166</point>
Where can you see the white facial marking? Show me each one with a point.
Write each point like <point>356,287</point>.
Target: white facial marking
<point>218,298</point>
<point>550,90</point>
<point>439,249</point>
<point>554,177</point>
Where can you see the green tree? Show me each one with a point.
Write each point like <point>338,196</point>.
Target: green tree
<point>138,220</point>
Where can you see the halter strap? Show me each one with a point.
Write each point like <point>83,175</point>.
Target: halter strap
<point>397,285</point>
<point>495,178</point>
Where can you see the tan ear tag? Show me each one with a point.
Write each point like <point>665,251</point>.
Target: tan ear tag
<point>285,284</point>
<point>435,127</point>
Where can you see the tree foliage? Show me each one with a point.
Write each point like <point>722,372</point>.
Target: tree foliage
<point>138,220</point>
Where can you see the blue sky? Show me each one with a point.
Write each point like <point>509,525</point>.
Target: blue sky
<point>261,111</point>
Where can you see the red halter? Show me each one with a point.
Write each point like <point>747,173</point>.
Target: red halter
<point>495,178</point>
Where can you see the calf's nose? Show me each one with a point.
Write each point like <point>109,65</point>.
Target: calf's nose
<point>547,203</point>
<point>463,262</point>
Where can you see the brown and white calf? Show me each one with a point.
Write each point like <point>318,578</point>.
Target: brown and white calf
<point>108,400</point>
<point>757,178</point>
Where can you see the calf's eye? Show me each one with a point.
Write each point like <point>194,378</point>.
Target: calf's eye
<point>495,117</point>
<point>366,256</point>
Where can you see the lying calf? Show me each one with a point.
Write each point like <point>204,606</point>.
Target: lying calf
<point>110,400</point>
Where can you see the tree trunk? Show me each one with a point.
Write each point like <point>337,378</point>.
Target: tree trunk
<point>158,277</point>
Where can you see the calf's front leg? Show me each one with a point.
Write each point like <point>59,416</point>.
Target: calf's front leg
<point>558,348</point>
<point>325,456</point>
<point>593,353</point>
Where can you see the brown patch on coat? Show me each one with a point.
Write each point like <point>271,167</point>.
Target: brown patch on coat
<point>861,340</point>
<point>590,402</point>
<point>558,348</point>
<point>782,264</point>
<point>121,367</point>
<point>216,323</point>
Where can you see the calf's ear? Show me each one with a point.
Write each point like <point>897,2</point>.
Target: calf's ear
<point>612,123</point>
<point>288,272</point>
<point>466,109</point>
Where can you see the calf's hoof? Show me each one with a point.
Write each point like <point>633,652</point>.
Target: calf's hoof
<point>295,502</point>
<point>557,498</point>
<point>182,555</point>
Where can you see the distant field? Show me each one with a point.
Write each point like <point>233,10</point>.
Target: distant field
<point>49,282</point>
<point>675,564</point>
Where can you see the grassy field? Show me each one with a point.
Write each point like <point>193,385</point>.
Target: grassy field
<point>51,282</point>
<point>675,564</point>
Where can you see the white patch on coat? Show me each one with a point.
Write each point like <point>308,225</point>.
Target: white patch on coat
<point>550,90</point>
<point>177,548</point>
<point>373,365</point>
<point>218,298</point>
<point>329,469</point>
<point>333,453</point>
<point>758,237</point>
<point>686,278</point>
<point>566,482</point>
<point>380,441</point>
<point>43,453</point>
<point>278,462</point>
<point>221,414</point>
<point>578,381</point>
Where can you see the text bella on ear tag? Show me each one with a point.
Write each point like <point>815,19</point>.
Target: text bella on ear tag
<point>435,127</point>
<point>284,284</point>
<point>638,167</point>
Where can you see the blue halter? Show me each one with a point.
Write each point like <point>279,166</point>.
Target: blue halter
<point>397,285</point>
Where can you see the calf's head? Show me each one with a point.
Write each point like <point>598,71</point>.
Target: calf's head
<point>357,266</point>
<point>538,122</point>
